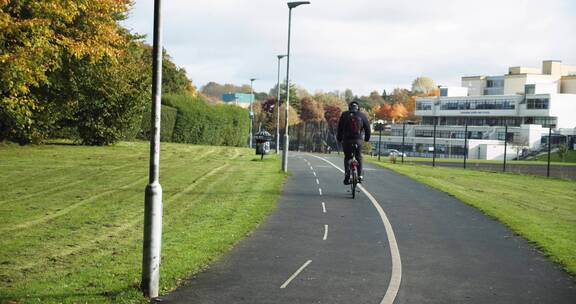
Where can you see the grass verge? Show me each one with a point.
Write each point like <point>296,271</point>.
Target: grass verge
<point>542,210</point>
<point>71,217</point>
<point>570,158</point>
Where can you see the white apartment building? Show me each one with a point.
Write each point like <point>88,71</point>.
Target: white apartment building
<point>529,101</point>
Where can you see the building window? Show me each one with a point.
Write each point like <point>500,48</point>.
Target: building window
<point>537,104</point>
<point>423,105</point>
<point>424,133</point>
<point>530,89</point>
<point>546,122</point>
<point>487,104</point>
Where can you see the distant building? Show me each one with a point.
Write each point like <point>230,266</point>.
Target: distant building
<point>240,99</point>
<point>527,100</point>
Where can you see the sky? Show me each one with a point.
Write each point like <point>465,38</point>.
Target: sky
<point>363,45</point>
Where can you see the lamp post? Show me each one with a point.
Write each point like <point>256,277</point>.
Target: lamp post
<point>153,193</point>
<point>403,138</point>
<point>379,126</point>
<point>279,102</point>
<point>251,110</point>
<point>291,5</point>
<point>505,146</point>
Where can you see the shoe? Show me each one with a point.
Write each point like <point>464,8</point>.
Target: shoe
<point>347,180</point>
<point>360,179</point>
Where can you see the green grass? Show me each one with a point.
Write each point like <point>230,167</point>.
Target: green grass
<point>570,158</point>
<point>542,210</point>
<point>71,217</point>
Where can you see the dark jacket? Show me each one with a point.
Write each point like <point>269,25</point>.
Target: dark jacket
<point>343,135</point>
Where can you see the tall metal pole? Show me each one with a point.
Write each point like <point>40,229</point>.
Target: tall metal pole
<point>379,140</point>
<point>505,147</point>
<point>465,142</point>
<point>251,111</point>
<point>286,143</point>
<point>279,103</point>
<point>549,151</point>
<point>153,192</point>
<point>434,147</point>
<point>403,137</point>
<point>286,139</point>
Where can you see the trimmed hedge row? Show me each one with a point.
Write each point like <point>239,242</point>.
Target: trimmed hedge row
<point>167,122</point>
<point>200,123</point>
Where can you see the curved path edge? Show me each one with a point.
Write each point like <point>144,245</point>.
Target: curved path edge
<point>396,276</point>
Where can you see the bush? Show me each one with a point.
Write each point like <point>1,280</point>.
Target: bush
<point>167,122</point>
<point>200,123</point>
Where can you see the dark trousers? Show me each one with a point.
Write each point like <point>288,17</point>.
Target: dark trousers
<point>348,148</point>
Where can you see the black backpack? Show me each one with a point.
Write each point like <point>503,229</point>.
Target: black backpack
<point>354,125</point>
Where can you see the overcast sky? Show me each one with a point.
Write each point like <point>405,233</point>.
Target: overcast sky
<point>363,45</point>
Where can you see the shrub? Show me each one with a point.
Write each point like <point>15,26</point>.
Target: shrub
<point>167,122</point>
<point>200,123</point>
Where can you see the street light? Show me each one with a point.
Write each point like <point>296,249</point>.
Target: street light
<point>379,126</point>
<point>251,110</point>
<point>291,5</point>
<point>153,193</point>
<point>279,103</point>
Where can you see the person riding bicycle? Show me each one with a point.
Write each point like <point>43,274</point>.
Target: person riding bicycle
<point>353,126</point>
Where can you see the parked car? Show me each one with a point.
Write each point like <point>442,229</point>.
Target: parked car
<point>393,152</point>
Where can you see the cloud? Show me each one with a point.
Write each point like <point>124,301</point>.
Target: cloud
<point>363,44</point>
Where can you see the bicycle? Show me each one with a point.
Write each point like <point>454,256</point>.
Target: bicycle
<point>353,169</point>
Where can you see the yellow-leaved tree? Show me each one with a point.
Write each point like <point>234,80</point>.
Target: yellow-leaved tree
<point>36,39</point>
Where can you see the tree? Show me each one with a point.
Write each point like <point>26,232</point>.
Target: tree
<point>293,118</point>
<point>563,152</point>
<point>332,115</point>
<point>348,95</point>
<point>384,111</point>
<point>423,85</point>
<point>310,110</point>
<point>398,112</point>
<point>107,97</point>
<point>174,79</point>
<point>36,37</point>
<point>384,95</point>
<point>331,98</point>
<point>375,98</point>
<point>399,96</point>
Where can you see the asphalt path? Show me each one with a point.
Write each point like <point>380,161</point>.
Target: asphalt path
<point>397,242</point>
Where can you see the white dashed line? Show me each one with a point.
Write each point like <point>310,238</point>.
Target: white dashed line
<point>325,232</point>
<point>320,190</point>
<point>314,173</point>
<point>323,207</point>
<point>296,274</point>
<point>317,182</point>
<point>396,276</point>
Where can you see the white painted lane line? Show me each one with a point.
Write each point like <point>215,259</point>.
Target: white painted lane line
<point>314,173</point>
<point>320,190</point>
<point>296,274</point>
<point>311,168</point>
<point>317,182</point>
<point>323,207</point>
<point>396,276</point>
<point>325,232</point>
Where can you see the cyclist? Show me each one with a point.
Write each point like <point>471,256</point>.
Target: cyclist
<point>353,126</point>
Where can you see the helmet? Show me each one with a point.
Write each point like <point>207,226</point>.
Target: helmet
<point>353,106</point>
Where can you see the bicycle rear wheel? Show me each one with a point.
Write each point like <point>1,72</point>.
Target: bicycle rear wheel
<point>354,182</point>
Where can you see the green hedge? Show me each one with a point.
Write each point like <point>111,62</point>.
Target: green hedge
<point>200,123</point>
<point>167,122</point>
